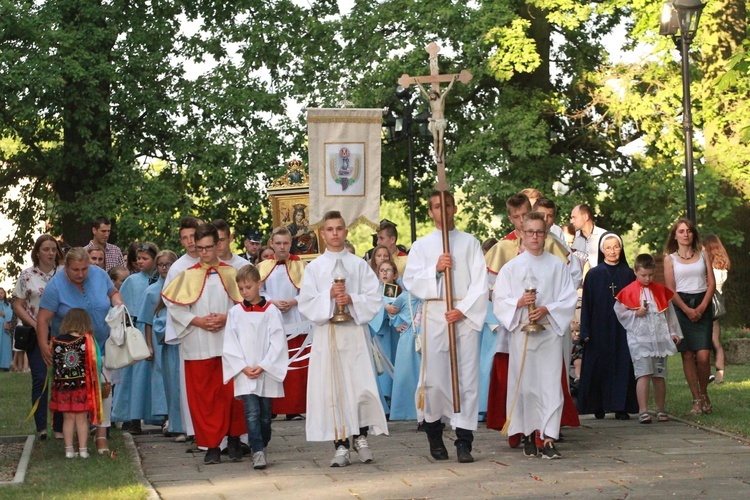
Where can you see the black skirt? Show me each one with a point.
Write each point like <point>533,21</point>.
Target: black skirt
<point>697,335</point>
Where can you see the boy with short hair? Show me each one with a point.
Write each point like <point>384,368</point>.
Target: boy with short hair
<point>644,308</point>
<point>342,396</point>
<point>535,394</point>
<point>255,356</point>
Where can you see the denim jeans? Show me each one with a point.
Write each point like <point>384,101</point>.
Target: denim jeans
<point>258,420</point>
<point>39,392</point>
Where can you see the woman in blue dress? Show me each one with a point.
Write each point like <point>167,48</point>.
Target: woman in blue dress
<point>384,337</point>
<point>407,321</point>
<point>146,313</point>
<point>6,333</point>
<point>83,286</point>
<point>132,399</point>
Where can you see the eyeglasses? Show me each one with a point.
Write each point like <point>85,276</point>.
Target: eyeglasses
<point>538,233</point>
<point>146,248</point>
<point>207,248</point>
<point>386,271</point>
<point>611,249</point>
<point>164,265</point>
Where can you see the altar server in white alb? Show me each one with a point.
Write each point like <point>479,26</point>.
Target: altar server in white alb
<point>535,396</point>
<point>256,358</point>
<point>424,278</point>
<point>342,396</point>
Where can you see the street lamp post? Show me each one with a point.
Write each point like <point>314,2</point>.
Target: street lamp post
<point>399,128</point>
<point>685,15</point>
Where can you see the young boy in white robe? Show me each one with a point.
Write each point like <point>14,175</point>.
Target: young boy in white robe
<point>535,286</point>
<point>644,308</point>
<point>342,396</point>
<point>256,357</point>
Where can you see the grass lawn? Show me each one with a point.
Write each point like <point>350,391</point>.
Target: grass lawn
<point>50,474</point>
<point>730,400</point>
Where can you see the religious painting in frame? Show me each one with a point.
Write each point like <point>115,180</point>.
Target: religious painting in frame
<point>345,169</point>
<point>290,207</point>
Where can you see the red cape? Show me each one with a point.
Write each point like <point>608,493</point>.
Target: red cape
<point>630,296</point>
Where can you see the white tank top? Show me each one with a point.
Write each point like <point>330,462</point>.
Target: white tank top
<point>690,278</point>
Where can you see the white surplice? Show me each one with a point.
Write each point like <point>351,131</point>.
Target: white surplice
<point>278,286</point>
<point>470,297</point>
<point>255,338</point>
<point>651,335</point>
<point>539,403</point>
<point>342,395</point>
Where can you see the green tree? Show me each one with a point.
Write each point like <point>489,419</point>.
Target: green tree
<point>95,93</point>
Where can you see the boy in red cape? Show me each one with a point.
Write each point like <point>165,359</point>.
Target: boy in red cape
<point>645,310</point>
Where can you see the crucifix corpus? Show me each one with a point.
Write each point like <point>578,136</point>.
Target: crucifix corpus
<point>437,125</point>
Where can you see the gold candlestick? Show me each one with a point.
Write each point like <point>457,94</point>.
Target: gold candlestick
<point>530,283</point>
<point>339,276</point>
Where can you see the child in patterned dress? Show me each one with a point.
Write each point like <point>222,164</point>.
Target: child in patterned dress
<point>75,385</point>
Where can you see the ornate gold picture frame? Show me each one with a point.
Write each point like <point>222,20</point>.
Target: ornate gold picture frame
<point>290,207</point>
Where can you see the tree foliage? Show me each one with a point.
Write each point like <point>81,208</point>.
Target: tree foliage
<point>146,111</point>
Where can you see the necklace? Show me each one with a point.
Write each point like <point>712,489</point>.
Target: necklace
<point>684,257</point>
<point>612,270</point>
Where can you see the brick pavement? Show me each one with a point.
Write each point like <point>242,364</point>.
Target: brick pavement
<point>603,459</point>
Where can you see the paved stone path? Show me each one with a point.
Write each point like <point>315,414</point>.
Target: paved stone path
<point>602,458</point>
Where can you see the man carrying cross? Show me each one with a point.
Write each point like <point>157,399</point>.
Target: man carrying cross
<point>425,278</point>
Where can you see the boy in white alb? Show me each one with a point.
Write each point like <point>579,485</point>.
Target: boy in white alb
<point>342,395</point>
<point>644,308</point>
<point>535,394</point>
<point>255,357</point>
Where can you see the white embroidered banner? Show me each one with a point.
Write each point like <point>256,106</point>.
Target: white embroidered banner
<point>344,149</point>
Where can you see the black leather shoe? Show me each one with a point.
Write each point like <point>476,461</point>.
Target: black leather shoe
<point>599,415</point>
<point>622,415</point>
<point>437,447</point>
<point>464,454</point>
<point>213,456</point>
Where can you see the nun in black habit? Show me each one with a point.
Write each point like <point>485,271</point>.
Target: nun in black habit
<point>607,381</point>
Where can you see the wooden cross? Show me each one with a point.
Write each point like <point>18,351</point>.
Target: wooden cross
<point>437,127</point>
<point>437,103</point>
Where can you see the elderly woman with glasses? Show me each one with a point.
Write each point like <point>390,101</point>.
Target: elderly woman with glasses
<point>132,401</point>
<point>607,381</point>
<point>83,286</point>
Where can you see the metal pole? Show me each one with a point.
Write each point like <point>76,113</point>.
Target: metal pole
<point>408,110</point>
<point>687,128</point>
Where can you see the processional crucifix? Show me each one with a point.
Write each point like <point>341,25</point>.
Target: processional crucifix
<point>437,126</point>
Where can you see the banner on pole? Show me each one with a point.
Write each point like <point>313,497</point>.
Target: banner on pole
<point>344,149</point>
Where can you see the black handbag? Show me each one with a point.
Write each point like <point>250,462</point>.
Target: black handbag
<point>24,338</point>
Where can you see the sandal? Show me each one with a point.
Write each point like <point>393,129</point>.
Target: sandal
<point>102,451</point>
<point>706,404</point>
<point>697,407</point>
<point>644,418</point>
<point>662,417</point>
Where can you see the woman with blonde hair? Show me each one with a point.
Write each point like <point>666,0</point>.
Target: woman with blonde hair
<point>720,262</point>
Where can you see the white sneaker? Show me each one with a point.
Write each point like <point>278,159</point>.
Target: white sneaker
<point>362,447</point>
<point>341,458</point>
<point>83,452</point>
<point>259,460</point>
